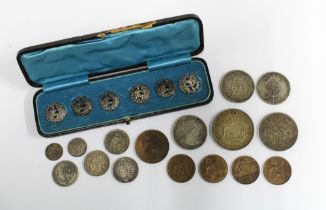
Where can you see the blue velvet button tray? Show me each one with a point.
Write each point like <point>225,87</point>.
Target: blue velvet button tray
<point>93,64</point>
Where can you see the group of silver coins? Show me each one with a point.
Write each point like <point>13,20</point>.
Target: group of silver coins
<point>109,100</point>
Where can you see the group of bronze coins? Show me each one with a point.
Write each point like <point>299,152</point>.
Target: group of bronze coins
<point>109,100</point>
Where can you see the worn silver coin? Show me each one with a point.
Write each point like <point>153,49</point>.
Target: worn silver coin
<point>125,169</point>
<point>139,94</point>
<point>82,106</point>
<point>53,151</point>
<point>117,141</point>
<point>65,173</point>
<point>96,163</point>
<point>55,112</point>
<point>190,132</point>
<point>189,83</point>
<point>77,147</point>
<point>165,88</point>
<point>109,101</point>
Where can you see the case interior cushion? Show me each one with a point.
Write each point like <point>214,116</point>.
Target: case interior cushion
<point>121,86</point>
<point>115,51</point>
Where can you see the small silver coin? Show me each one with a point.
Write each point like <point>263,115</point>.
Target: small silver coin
<point>165,88</point>
<point>77,147</point>
<point>53,151</point>
<point>189,84</point>
<point>190,132</point>
<point>65,173</point>
<point>82,106</point>
<point>139,94</point>
<point>109,100</point>
<point>55,112</point>
<point>125,169</point>
<point>117,141</point>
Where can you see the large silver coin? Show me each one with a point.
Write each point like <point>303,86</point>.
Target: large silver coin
<point>65,173</point>
<point>117,141</point>
<point>96,163</point>
<point>125,169</point>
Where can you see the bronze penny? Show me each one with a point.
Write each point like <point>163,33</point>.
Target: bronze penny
<point>53,151</point>
<point>189,83</point>
<point>190,132</point>
<point>96,163</point>
<point>278,131</point>
<point>55,112</point>
<point>77,147</point>
<point>109,101</point>
<point>245,170</point>
<point>277,170</point>
<point>181,168</point>
<point>116,141</point>
<point>139,94</point>
<point>165,88</point>
<point>233,129</point>
<point>65,173</point>
<point>152,146</point>
<point>213,168</point>
<point>237,86</point>
<point>273,88</point>
<point>125,169</point>
<point>82,106</point>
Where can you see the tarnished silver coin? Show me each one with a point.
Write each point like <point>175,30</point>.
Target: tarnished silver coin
<point>189,83</point>
<point>125,169</point>
<point>82,106</point>
<point>55,112</point>
<point>139,94</point>
<point>233,129</point>
<point>273,88</point>
<point>117,141</point>
<point>237,86</point>
<point>190,132</point>
<point>53,151</point>
<point>278,131</point>
<point>77,147</point>
<point>96,163</point>
<point>109,100</point>
<point>165,88</point>
<point>65,173</point>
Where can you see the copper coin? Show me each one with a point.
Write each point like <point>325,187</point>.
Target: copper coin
<point>53,151</point>
<point>278,131</point>
<point>233,129</point>
<point>165,88</point>
<point>273,88</point>
<point>82,106</point>
<point>190,132</point>
<point>213,168</point>
<point>237,86</point>
<point>277,170</point>
<point>245,170</point>
<point>77,147</point>
<point>139,94</point>
<point>116,141</point>
<point>189,83</point>
<point>125,169</point>
<point>109,101</point>
<point>55,112</point>
<point>152,146</point>
<point>181,168</point>
<point>96,163</point>
<point>65,173</point>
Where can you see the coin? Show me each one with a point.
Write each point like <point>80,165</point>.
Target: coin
<point>65,173</point>
<point>237,86</point>
<point>273,88</point>
<point>140,94</point>
<point>181,168</point>
<point>152,146</point>
<point>109,100</point>
<point>245,170</point>
<point>55,112</point>
<point>96,163</point>
<point>53,151</point>
<point>189,83</point>
<point>233,129</point>
<point>116,141</point>
<point>190,132</point>
<point>165,88</point>
<point>213,168</point>
<point>82,106</point>
<point>278,131</point>
<point>277,170</point>
<point>125,169</point>
<point>77,147</point>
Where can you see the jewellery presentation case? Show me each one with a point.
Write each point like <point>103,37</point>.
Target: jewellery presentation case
<point>116,60</point>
